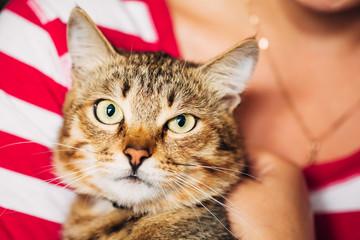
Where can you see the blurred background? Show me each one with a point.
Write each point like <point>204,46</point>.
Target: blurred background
<point>3,3</point>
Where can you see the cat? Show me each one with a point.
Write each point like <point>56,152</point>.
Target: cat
<point>149,141</point>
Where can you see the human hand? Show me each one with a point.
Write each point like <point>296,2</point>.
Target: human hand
<point>275,205</point>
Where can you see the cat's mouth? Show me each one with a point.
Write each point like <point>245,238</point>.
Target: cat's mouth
<point>133,178</point>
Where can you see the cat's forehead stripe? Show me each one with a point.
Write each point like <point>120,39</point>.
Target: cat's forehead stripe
<point>125,82</point>
<point>171,98</point>
<point>147,81</point>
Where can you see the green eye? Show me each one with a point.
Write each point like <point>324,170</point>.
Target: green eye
<point>108,112</point>
<point>182,124</point>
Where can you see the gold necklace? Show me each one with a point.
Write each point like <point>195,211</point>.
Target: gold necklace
<point>314,141</point>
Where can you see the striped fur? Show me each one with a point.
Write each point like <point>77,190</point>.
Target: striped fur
<point>181,184</point>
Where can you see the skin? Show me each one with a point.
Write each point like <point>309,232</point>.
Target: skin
<point>309,41</point>
<point>275,206</point>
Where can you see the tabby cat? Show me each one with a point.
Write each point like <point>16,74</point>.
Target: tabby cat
<point>149,142</point>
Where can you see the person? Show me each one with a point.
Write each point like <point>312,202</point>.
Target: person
<point>302,105</point>
<point>293,101</point>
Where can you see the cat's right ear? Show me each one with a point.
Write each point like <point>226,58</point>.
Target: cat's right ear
<point>230,72</point>
<point>87,46</point>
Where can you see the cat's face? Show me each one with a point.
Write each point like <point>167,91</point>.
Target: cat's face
<point>148,131</point>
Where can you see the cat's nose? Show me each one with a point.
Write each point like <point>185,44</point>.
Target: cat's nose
<point>136,156</point>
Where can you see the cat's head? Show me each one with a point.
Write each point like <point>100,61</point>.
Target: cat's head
<point>148,131</point>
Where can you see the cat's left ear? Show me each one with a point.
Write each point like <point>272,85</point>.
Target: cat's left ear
<point>87,46</point>
<point>230,72</point>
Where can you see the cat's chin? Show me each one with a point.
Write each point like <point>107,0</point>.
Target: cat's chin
<point>129,191</point>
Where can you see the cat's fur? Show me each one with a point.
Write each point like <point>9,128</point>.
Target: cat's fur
<point>181,183</point>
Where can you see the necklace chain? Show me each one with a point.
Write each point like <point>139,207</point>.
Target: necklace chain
<point>315,141</point>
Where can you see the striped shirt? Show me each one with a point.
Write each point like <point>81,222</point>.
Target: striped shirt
<point>335,198</point>
<point>34,77</point>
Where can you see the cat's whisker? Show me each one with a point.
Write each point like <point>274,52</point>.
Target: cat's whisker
<point>3,212</point>
<point>233,209</point>
<point>208,187</point>
<point>86,174</point>
<point>222,169</point>
<point>53,165</point>
<point>16,143</point>
<point>172,187</point>
<point>59,179</point>
<point>209,196</point>
<point>207,210</point>
<point>69,163</point>
<point>162,188</point>
<point>50,168</point>
<point>177,190</point>
<point>59,144</point>
<point>46,168</point>
<point>194,165</point>
<point>216,169</point>
<point>80,149</point>
<point>52,151</point>
<point>69,174</point>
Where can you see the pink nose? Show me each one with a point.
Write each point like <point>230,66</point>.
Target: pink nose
<point>136,156</point>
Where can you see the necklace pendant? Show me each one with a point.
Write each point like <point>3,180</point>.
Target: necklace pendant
<point>314,148</point>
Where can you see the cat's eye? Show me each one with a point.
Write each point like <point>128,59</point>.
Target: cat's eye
<point>108,112</point>
<point>182,124</point>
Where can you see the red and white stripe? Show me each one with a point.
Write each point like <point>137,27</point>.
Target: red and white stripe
<point>28,121</point>
<point>130,17</point>
<point>335,198</point>
<point>36,198</point>
<point>34,77</point>
<point>39,53</point>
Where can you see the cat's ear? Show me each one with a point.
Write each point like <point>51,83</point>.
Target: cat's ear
<point>87,46</point>
<point>230,72</point>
